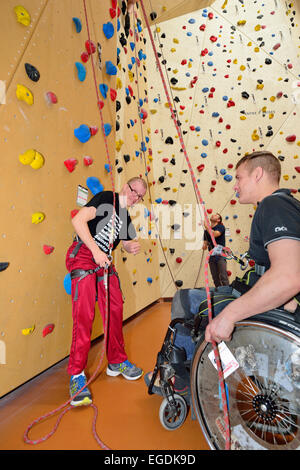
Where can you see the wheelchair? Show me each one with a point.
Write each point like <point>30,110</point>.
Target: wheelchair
<point>262,386</point>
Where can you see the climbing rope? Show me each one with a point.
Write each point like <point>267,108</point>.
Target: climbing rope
<point>211,253</point>
<point>65,407</point>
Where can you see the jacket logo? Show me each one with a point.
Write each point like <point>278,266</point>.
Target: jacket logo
<point>280,229</point>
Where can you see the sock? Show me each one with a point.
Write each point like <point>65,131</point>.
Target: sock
<point>78,375</point>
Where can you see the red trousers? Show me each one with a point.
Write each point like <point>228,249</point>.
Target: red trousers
<point>83,310</point>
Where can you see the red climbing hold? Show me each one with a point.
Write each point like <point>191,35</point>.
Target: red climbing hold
<point>202,27</point>
<point>70,164</point>
<point>85,57</point>
<point>90,47</point>
<point>100,104</point>
<point>51,97</point>
<point>232,202</point>
<point>48,249</point>
<point>297,168</point>
<point>218,143</point>
<point>209,211</point>
<point>230,103</point>
<point>201,167</point>
<point>183,62</point>
<point>93,130</point>
<point>165,160</point>
<point>213,38</point>
<point>87,160</point>
<point>291,138</point>
<point>210,15</point>
<point>178,260</point>
<point>74,212</point>
<point>113,94</point>
<point>48,329</point>
<point>130,90</point>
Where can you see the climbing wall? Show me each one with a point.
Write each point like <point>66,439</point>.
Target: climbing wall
<point>232,72</point>
<point>53,157</point>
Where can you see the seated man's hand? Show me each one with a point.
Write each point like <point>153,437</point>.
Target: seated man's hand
<point>220,328</point>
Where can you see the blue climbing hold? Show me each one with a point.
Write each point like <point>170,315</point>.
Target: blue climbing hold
<point>158,200</point>
<point>107,129</point>
<point>149,279</point>
<point>107,167</point>
<point>223,171</point>
<point>228,178</point>
<point>108,30</point>
<point>82,133</point>
<point>94,185</point>
<point>67,283</point>
<point>203,155</point>
<point>78,24</point>
<point>111,69</point>
<point>103,89</point>
<point>204,142</point>
<point>81,71</point>
<point>132,45</point>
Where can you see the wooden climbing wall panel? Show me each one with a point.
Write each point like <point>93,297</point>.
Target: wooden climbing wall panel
<point>34,288</point>
<point>232,71</point>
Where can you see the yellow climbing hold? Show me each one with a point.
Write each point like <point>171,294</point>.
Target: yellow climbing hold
<point>241,22</point>
<point>285,177</point>
<point>175,71</point>
<point>271,115</point>
<point>153,111</point>
<point>23,16</point>
<point>175,40</point>
<point>130,75</point>
<point>178,88</point>
<point>224,4</point>
<point>158,29</point>
<point>119,144</point>
<point>135,137</point>
<point>33,158</point>
<point>242,67</point>
<point>257,27</point>
<point>37,217</point>
<point>256,49</point>
<point>119,83</point>
<point>28,331</point>
<point>255,136</point>
<point>242,118</point>
<point>24,94</point>
<point>272,98</point>
<point>173,49</point>
<point>259,86</point>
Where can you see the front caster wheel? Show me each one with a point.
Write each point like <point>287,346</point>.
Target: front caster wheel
<point>172,417</point>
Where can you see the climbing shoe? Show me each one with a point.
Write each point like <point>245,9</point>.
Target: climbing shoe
<point>84,397</point>
<point>128,370</point>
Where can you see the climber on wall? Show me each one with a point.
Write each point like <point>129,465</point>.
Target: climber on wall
<point>98,227</point>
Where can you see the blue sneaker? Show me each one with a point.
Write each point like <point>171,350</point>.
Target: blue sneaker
<point>84,397</point>
<point>128,370</point>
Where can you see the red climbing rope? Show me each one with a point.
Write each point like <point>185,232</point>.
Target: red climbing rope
<point>215,348</point>
<point>64,407</point>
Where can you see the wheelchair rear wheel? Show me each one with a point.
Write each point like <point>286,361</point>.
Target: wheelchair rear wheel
<point>263,391</point>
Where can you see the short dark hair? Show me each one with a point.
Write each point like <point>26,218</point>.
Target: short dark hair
<point>220,217</point>
<point>264,159</point>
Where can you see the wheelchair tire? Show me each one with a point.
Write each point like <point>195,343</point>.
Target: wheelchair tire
<point>168,419</point>
<point>263,393</point>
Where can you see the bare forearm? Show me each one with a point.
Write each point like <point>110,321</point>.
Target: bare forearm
<point>83,232</point>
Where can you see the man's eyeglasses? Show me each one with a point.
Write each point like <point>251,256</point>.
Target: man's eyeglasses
<point>136,193</point>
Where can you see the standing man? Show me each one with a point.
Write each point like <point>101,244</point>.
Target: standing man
<point>217,264</point>
<point>99,229</point>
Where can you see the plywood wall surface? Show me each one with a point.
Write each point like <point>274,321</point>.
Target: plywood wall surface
<point>33,293</point>
<point>232,72</point>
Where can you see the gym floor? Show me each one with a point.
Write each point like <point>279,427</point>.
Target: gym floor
<point>128,418</point>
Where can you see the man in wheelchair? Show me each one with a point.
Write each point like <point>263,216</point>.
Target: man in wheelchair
<point>274,282</point>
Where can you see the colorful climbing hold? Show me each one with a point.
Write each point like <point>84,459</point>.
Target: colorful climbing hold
<point>94,185</point>
<point>82,133</point>
<point>22,14</point>
<point>48,249</point>
<point>28,331</point>
<point>70,164</point>
<point>24,94</point>
<point>81,71</point>
<point>37,217</point>
<point>78,24</point>
<point>48,329</point>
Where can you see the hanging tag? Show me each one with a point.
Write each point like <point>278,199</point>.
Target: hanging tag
<point>82,195</point>
<point>229,363</point>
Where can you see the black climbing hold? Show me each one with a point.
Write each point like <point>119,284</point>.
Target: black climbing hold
<point>32,72</point>
<point>118,105</point>
<point>245,95</point>
<point>153,15</point>
<point>128,99</point>
<point>174,80</point>
<point>119,170</point>
<point>281,158</point>
<point>162,265</point>
<point>161,179</point>
<point>179,283</point>
<point>172,251</point>
<point>172,202</point>
<point>126,158</point>
<point>3,266</point>
<point>175,227</point>
<point>173,161</point>
<point>169,140</point>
